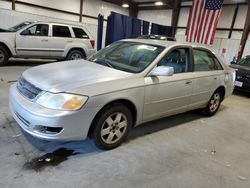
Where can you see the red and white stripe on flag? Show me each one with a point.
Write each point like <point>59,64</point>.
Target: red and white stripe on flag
<point>203,20</point>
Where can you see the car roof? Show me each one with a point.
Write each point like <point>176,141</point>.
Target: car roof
<point>157,37</point>
<point>58,23</point>
<point>166,43</point>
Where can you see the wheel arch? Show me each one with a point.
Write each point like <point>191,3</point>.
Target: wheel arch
<point>76,48</point>
<point>7,48</point>
<point>128,103</point>
<point>222,90</point>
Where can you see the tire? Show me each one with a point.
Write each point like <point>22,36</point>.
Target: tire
<point>213,104</point>
<point>4,56</point>
<point>112,126</point>
<point>75,54</point>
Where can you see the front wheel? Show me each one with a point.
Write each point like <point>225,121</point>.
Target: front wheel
<point>112,126</point>
<point>213,104</point>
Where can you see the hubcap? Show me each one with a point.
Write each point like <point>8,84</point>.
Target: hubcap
<point>215,102</point>
<point>1,56</point>
<point>113,128</point>
<point>75,56</point>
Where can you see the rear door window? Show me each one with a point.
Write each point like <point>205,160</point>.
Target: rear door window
<point>205,61</point>
<point>80,33</point>
<point>61,31</point>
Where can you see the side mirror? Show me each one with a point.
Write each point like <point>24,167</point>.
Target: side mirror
<point>25,32</point>
<point>162,71</point>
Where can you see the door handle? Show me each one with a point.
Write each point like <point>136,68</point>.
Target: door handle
<point>69,41</point>
<point>188,82</point>
<point>44,40</point>
<point>215,78</point>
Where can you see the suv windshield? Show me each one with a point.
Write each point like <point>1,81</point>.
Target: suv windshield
<point>131,57</point>
<point>19,26</point>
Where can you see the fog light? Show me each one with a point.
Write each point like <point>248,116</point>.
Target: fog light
<point>47,130</point>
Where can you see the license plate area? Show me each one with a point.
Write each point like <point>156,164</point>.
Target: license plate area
<point>238,83</point>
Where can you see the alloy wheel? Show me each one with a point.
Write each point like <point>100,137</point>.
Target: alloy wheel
<point>75,56</point>
<point>113,128</point>
<point>214,102</point>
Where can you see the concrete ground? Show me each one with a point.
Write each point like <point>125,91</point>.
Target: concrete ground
<point>186,150</point>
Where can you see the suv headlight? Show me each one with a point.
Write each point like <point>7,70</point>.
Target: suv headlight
<point>62,101</point>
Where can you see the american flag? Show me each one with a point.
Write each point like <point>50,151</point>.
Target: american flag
<point>203,20</point>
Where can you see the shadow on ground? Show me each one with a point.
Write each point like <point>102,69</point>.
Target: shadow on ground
<point>241,93</point>
<point>28,62</point>
<point>58,151</point>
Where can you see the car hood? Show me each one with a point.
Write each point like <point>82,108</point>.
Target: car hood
<point>242,70</point>
<point>3,30</point>
<point>7,33</point>
<point>67,75</point>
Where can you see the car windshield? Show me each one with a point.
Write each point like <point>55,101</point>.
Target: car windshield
<point>131,57</point>
<point>245,62</point>
<point>19,26</point>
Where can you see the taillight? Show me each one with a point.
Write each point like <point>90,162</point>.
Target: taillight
<point>92,43</point>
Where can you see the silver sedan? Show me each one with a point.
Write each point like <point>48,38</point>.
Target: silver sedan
<point>123,85</point>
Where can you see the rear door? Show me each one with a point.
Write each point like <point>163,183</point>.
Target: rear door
<point>61,36</point>
<point>207,76</point>
<point>33,41</point>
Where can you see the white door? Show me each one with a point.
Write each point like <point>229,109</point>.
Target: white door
<point>167,95</point>
<point>33,42</point>
<point>61,36</point>
<point>206,77</point>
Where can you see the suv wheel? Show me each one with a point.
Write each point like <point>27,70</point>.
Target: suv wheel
<point>213,104</point>
<point>112,126</point>
<point>4,56</point>
<point>75,54</point>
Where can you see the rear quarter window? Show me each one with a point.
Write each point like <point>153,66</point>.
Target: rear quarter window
<point>80,33</point>
<point>204,60</point>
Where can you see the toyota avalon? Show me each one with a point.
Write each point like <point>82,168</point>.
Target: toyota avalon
<point>123,85</point>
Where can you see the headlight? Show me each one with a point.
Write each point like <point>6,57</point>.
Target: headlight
<point>62,101</point>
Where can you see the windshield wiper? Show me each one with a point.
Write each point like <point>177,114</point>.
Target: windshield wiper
<point>104,62</point>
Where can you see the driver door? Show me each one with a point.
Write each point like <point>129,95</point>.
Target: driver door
<point>167,95</point>
<point>33,42</point>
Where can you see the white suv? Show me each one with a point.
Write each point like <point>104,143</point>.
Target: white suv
<point>45,40</point>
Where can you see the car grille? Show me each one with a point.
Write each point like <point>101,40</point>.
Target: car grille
<point>242,77</point>
<point>27,89</point>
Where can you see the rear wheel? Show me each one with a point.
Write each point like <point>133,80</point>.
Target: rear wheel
<point>213,104</point>
<point>4,56</point>
<point>75,54</point>
<point>112,126</point>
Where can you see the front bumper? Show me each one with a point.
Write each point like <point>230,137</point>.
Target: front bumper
<point>62,125</point>
<point>245,86</point>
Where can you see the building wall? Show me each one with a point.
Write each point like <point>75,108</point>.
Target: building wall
<point>94,7</point>
<point>221,38</point>
<point>162,17</point>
